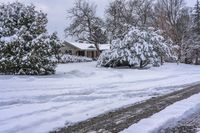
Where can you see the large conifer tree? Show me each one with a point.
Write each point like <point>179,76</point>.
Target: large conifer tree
<point>24,42</point>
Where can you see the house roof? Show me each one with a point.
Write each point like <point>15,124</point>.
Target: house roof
<point>87,46</point>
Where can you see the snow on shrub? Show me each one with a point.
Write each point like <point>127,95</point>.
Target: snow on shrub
<point>72,59</point>
<point>24,43</point>
<point>139,48</point>
<point>56,45</point>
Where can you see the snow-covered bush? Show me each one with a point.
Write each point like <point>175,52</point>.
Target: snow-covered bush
<point>191,48</point>
<point>163,46</point>
<point>139,48</point>
<point>71,59</point>
<point>24,43</point>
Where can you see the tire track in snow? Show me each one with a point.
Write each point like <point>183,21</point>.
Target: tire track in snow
<point>116,121</point>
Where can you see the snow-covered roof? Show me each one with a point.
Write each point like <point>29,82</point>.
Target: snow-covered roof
<point>87,46</point>
<point>104,46</point>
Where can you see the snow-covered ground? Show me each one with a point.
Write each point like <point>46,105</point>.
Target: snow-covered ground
<point>171,114</point>
<point>80,91</point>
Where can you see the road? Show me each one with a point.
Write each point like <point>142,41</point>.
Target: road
<point>116,121</point>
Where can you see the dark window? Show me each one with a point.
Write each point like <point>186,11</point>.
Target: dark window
<point>68,52</point>
<point>81,53</point>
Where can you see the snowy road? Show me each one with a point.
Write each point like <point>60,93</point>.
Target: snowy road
<point>118,120</point>
<point>81,91</point>
<point>167,120</point>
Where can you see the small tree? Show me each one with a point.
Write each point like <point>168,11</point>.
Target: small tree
<point>191,42</point>
<point>196,44</point>
<point>162,46</point>
<point>86,26</point>
<point>24,43</point>
<point>56,45</point>
<point>191,47</point>
<point>139,48</point>
<point>196,21</point>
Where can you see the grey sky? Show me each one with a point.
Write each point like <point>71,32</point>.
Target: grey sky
<point>57,11</point>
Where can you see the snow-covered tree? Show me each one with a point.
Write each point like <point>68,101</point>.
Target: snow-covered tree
<point>139,48</point>
<point>162,46</point>
<point>191,48</point>
<point>121,15</point>
<point>25,46</point>
<point>56,45</point>
<point>196,26</point>
<point>191,41</point>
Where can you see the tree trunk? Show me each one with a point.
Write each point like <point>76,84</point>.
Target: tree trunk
<point>141,64</point>
<point>98,50</point>
<point>197,59</point>
<point>186,60</point>
<point>162,61</point>
<point>179,55</point>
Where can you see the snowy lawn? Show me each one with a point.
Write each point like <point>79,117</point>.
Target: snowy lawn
<point>80,91</point>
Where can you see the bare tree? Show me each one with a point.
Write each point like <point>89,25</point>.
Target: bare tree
<point>123,14</point>
<point>172,17</point>
<point>144,10</point>
<point>116,15</point>
<point>86,26</point>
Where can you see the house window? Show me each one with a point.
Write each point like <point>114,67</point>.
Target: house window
<point>81,53</point>
<point>68,52</point>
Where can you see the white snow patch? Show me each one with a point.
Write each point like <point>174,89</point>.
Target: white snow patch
<point>8,39</point>
<point>80,91</point>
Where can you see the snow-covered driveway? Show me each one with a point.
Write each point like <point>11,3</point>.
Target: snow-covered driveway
<point>80,91</point>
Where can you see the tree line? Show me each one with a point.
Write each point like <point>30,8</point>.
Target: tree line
<point>142,32</point>
<point>176,21</point>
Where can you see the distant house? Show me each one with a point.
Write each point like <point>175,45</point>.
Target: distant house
<point>83,49</point>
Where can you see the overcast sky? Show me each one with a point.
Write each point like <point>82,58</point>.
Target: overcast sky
<point>57,11</point>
